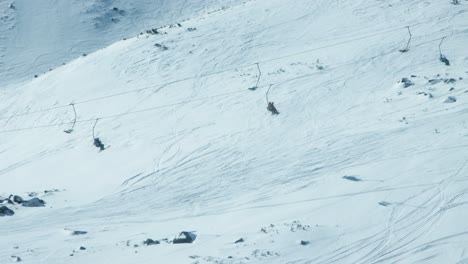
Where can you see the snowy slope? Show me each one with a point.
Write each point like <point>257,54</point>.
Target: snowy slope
<point>193,149</point>
<point>36,36</point>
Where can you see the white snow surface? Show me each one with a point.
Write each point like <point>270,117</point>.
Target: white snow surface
<point>191,148</point>
<point>37,36</point>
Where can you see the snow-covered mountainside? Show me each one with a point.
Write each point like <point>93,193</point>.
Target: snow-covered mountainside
<point>36,36</point>
<point>366,161</point>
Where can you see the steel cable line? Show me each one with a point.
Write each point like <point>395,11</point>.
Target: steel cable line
<point>215,96</point>
<point>209,73</point>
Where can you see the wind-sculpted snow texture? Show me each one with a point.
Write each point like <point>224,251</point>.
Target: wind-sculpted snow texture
<point>366,161</point>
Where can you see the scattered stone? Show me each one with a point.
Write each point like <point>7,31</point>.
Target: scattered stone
<point>426,94</point>
<point>185,237</point>
<point>352,178</point>
<point>451,80</point>
<point>298,226</point>
<point>5,211</point>
<point>153,31</point>
<point>161,46</point>
<point>52,191</point>
<point>383,203</point>
<point>406,82</point>
<point>257,253</point>
<point>191,29</point>
<point>452,89</point>
<point>434,81</point>
<point>450,99</point>
<point>305,243</point>
<point>34,202</point>
<point>150,242</point>
<point>16,259</point>
<point>82,248</point>
<point>15,199</point>
<point>269,229</point>
<point>240,240</point>
<point>175,25</point>
<point>75,232</point>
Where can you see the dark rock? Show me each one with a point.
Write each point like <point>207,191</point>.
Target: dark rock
<point>451,80</point>
<point>305,243</point>
<point>150,242</point>
<point>16,199</point>
<point>450,99</point>
<point>384,203</point>
<point>406,82</point>
<point>76,232</point>
<point>16,259</point>
<point>82,248</point>
<point>154,31</point>
<point>351,178</point>
<point>240,240</point>
<point>5,211</point>
<point>162,47</point>
<point>34,202</point>
<point>185,238</point>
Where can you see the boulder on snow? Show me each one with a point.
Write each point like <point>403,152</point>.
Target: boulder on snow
<point>16,259</point>
<point>450,99</point>
<point>406,82</point>
<point>240,240</point>
<point>5,211</point>
<point>351,178</point>
<point>34,202</point>
<point>16,199</point>
<point>150,242</point>
<point>185,238</point>
<point>451,80</point>
<point>74,232</point>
